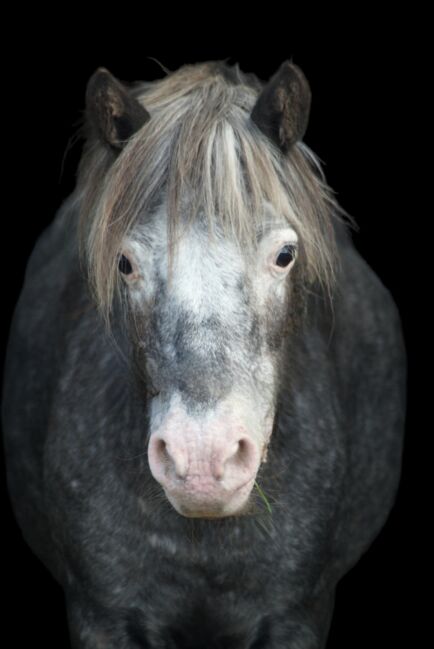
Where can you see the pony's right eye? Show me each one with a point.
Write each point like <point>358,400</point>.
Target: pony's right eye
<point>125,265</point>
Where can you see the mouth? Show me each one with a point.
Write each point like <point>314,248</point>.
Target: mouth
<point>239,505</point>
<point>210,515</point>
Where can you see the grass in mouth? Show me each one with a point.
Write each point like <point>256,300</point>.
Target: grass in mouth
<point>264,497</point>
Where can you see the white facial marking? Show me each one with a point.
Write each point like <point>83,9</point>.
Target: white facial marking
<point>215,309</point>
<point>206,274</point>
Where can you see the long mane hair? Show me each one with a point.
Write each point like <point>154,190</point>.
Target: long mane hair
<point>200,143</point>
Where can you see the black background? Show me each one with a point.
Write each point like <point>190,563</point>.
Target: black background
<point>364,124</point>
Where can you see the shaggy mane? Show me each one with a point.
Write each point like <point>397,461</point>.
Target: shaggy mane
<point>200,143</point>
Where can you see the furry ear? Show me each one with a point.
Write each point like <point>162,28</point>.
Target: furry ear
<point>113,114</point>
<point>282,109</point>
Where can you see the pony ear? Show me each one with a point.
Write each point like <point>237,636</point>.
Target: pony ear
<point>113,114</point>
<point>282,109</point>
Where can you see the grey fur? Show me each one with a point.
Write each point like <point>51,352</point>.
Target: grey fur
<point>136,573</point>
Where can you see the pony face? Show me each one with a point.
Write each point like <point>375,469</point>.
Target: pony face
<point>203,210</point>
<point>208,328</point>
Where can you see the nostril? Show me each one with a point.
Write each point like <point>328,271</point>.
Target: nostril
<point>240,457</point>
<point>242,451</point>
<point>168,460</point>
<point>243,454</point>
<point>161,450</point>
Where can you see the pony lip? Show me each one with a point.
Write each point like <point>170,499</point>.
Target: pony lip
<point>236,506</point>
<point>193,193</point>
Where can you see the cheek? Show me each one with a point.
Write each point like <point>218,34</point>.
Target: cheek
<point>271,290</point>
<point>278,319</point>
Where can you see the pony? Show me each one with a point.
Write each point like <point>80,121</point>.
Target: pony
<point>204,389</point>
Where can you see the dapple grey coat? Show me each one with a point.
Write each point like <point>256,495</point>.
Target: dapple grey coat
<point>136,574</point>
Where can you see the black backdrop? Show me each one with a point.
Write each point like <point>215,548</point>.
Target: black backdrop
<point>362,94</point>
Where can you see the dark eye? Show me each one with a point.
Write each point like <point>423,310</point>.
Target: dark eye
<point>125,265</point>
<point>286,255</point>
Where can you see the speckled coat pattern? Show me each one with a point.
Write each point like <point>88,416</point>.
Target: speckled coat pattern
<point>136,574</point>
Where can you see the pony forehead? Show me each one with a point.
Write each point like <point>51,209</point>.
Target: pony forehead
<point>204,157</point>
<point>152,228</point>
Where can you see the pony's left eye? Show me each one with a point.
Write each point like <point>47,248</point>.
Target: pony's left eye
<point>286,255</point>
<point>125,265</point>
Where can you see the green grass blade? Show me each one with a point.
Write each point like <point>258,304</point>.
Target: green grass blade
<point>264,497</point>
